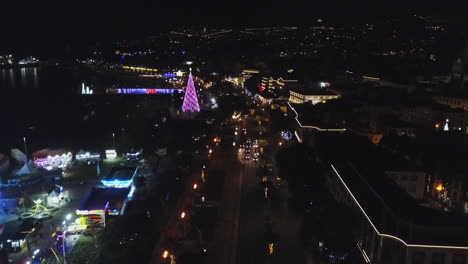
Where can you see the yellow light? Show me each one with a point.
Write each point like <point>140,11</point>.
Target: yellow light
<point>271,248</point>
<point>291,70</point>
<point>447,120</point>
<point>439,187</point>
<point>437,125</point>
<point>165,254</point>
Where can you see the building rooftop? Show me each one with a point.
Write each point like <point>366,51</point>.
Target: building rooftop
<point>390,209</point>
<point>120,173</point>
<point>325,115</point>
<point>102,198</point>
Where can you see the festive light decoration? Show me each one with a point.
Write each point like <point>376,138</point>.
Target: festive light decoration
<point>446,126</point>
<point>286,135</point>
<point>190,100</point>
<point>54,162</point>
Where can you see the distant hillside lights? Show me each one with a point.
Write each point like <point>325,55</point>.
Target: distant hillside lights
<point>6,59</point>
<point>28,60</point>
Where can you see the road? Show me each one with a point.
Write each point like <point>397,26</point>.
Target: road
<point>224,246</point>
<point>255,210</point>
<point>243,210</point>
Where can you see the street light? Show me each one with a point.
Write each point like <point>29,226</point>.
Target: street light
<point>25,148</point>
<point>113,139</point>
<point>64,239</point>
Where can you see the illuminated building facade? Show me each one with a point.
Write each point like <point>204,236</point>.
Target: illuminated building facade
<point>311,96</point>
<point>453,102</point>
<point>270,83</point>
<point>52,162</point>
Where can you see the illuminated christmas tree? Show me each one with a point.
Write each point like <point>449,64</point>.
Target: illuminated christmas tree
<point>190,100</point>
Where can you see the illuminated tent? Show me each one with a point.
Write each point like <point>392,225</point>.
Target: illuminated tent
<point>18,155</point>
<point>4,163</point>
<point>24,170</point>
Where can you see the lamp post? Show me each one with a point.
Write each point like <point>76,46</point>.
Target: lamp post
<point>25,148</point>
<point>64,239</point>
<point>113,139</point>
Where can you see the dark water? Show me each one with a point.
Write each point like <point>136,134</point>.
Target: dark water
<point>32,100</point>
<point>44,105</point>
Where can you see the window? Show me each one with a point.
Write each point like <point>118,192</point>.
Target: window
<point>458,258</point>
<point>438,258</point>
<point>411,188</point>
<point>418,258</point>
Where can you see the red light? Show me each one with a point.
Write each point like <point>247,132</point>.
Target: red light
<point>260,87</point>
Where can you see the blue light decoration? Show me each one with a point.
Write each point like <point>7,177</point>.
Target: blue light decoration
<point>134,53</point>
<point>146,91</point>
<point>286,135</point>
<point>170,74</point>
<point>182,51</point>
<point>113,212</point>
<point>117,183</point>
<point>123,57</point>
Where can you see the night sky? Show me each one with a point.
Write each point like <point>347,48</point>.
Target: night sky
<point>26,23</point>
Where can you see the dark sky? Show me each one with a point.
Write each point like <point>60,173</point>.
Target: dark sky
<point>28,20</point>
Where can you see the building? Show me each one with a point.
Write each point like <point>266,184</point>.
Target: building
<point>319,118</point>
<point>414,182</point>
<point>453,102</point>
<point>270,83</point>
<point>104,200</point>
<point>438,116</point>
<point>390,226</point>
<point>460,69</point>
<point>313,96</point>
